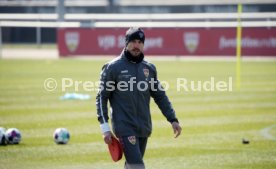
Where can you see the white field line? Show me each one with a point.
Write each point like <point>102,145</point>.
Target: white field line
<point>266,132</point>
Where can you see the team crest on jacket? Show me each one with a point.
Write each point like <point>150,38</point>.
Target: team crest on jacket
<point>146,72</point>
<point>132,139</point>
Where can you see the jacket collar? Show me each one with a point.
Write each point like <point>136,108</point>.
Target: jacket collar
<point>126,54</point>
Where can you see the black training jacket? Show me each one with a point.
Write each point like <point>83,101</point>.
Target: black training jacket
<point>130,108</point>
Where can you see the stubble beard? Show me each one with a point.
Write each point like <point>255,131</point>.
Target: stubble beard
<point>135,52</point>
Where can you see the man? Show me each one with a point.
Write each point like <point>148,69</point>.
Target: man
<point>128,82</point>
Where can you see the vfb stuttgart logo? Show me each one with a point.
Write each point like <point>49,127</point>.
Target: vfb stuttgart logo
<point>72,40</point>
<point>132,139</point>
<point>191,41</point>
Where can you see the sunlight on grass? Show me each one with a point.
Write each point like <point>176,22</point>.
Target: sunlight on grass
<point>214,123</point>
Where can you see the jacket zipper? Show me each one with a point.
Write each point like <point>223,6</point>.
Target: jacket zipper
<point>137,95</point>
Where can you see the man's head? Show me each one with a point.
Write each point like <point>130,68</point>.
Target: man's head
<point>134,40</point>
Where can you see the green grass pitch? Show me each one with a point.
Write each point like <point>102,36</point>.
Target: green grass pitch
<point>214,123</point>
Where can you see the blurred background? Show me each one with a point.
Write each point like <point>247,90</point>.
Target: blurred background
<point>176,27</point>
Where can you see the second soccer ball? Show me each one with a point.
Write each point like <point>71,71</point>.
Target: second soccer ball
<point>61,136</point>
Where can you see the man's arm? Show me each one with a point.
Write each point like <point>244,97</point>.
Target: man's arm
<point>101,103</point>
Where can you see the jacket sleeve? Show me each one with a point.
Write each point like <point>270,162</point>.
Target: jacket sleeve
<point>102,97</point>
<point>161,99</point>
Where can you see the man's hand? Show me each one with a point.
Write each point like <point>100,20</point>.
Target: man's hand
<point>176,129</point>
<point>107,137</point>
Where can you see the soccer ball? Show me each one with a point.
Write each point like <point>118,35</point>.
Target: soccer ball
<point>13,136</point>
<point>61,136</point>
<point>3,140</point>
